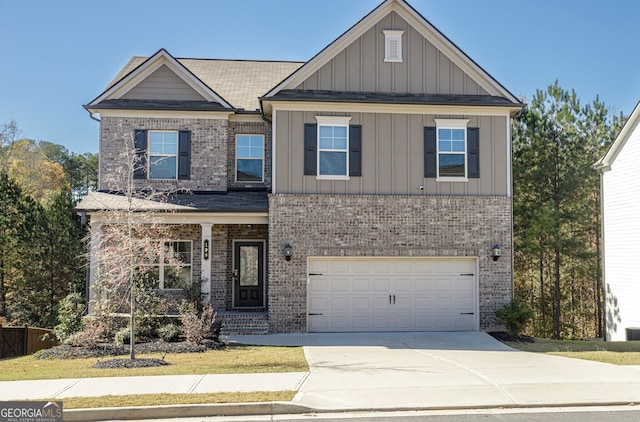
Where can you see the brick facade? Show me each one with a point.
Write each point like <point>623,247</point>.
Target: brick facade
<point>378,225</point>
<point>208,157</point>
<point>222,238</point>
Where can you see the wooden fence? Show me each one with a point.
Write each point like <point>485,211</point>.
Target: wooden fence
<point>20,341</point>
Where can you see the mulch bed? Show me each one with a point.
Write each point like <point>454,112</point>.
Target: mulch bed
<point>129,363</point>
<point>504,336</point>
<point>111,350</point>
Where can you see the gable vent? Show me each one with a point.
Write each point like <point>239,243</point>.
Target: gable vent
<point>392,45</point>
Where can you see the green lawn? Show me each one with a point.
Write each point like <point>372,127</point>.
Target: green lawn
<point>233,359</point>
<point>616,352</point>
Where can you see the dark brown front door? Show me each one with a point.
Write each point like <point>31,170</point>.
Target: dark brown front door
<point>248,275</point>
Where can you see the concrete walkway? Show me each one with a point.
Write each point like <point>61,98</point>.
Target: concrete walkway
<point>366,371</point>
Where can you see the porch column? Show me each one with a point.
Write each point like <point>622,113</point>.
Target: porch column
<point>205,267</point>
<point>95,230</point>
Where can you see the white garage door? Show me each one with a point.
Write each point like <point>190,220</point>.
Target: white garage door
<point>392,294</point>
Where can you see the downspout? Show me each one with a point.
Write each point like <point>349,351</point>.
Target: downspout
<point>601,167</point>
<point>92,117</point>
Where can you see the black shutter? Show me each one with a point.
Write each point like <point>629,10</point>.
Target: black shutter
<point>355,150</point>
<point>140,145</point>
<point>310,149</point>
<point>184,154</point>
<point>473,153</point>
<point>430,152</point>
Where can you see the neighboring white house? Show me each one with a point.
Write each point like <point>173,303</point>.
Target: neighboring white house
<point>621,232</point>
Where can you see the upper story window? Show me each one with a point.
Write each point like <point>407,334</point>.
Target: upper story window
<point>451,144</point>
<point>393,45</point>
<point>452,151</point>
<point>163,154</point>
<point>249,158</point>
<point>333,147</point>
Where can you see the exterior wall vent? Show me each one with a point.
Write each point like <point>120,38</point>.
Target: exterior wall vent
<point>633,334</point>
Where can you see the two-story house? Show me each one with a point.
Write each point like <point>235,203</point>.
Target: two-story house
<point>367,189</point>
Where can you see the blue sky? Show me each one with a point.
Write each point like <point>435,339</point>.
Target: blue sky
<point>58,55</point>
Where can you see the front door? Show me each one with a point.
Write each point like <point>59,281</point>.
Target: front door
<point>248,275</point>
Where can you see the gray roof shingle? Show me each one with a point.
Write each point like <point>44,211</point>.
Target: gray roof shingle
<point>240,82</point>
<point>378,97</point>
<point>231,201</point>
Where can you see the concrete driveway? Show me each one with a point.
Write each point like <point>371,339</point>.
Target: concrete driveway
<point>443,370</point>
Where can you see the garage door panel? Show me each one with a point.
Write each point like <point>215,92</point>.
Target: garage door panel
<point>362,304</point>
<point>340,304</point>
<point>381,285</point>
<point>361,284</point>
<point>392,294</point>
<point>403,285</point>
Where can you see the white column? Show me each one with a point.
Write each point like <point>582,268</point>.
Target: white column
<point>93,258</point>
<point>205,267</point>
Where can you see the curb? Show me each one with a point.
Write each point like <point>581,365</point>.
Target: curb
<point>183,411</point>
<point>272,408</point>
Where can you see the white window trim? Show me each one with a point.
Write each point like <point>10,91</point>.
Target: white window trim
<point>391,36</point>
<point>162,155</point>
<point>161,265</point>
<point>331,121</point>
<point>261,158</point>
<point>451,124</point>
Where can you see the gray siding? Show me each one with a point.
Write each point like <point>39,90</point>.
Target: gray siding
<point>361,66</point>
<point>163,84</point>
<point>392,156</point>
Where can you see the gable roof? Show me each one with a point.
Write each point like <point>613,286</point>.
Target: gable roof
<point>424,27</point>
<point>235,84</point>
<point>605,163</point>
<point>133,77</point>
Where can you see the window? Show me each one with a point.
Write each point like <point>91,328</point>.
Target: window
<point>249,158</point>
<point>452,149</point>
<point>393,46</point>
<point>333,147</point>
<point>163,155</point>
<point>173,268</point>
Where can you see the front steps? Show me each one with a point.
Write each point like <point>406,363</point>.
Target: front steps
<point>236,323</point>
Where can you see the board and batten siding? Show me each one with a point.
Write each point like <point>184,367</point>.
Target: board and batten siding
<point>163,84</point>
<point>621,222</point>
<point>392,156</point>
<point>361,66</point>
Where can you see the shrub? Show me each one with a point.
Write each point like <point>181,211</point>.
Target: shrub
<point>70,312</point>
<point>196,326</point>
<point>169,332</point>
<point>91,335</point>
<point>514,315</point>
<point>123,336</point>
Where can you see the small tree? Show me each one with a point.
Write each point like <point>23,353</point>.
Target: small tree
<point>130,244</point>
<point>515,315</point>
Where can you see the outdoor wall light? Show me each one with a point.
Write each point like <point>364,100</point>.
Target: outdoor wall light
<point>496,252</point>
<point>205,249</point>
<point>287,250</point>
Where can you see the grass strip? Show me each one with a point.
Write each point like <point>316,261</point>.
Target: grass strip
<point>173,399</point>
<point>615,352</point>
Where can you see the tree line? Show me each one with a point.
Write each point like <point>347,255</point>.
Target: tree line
<point>42,253</point>
<point>556,207</point>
